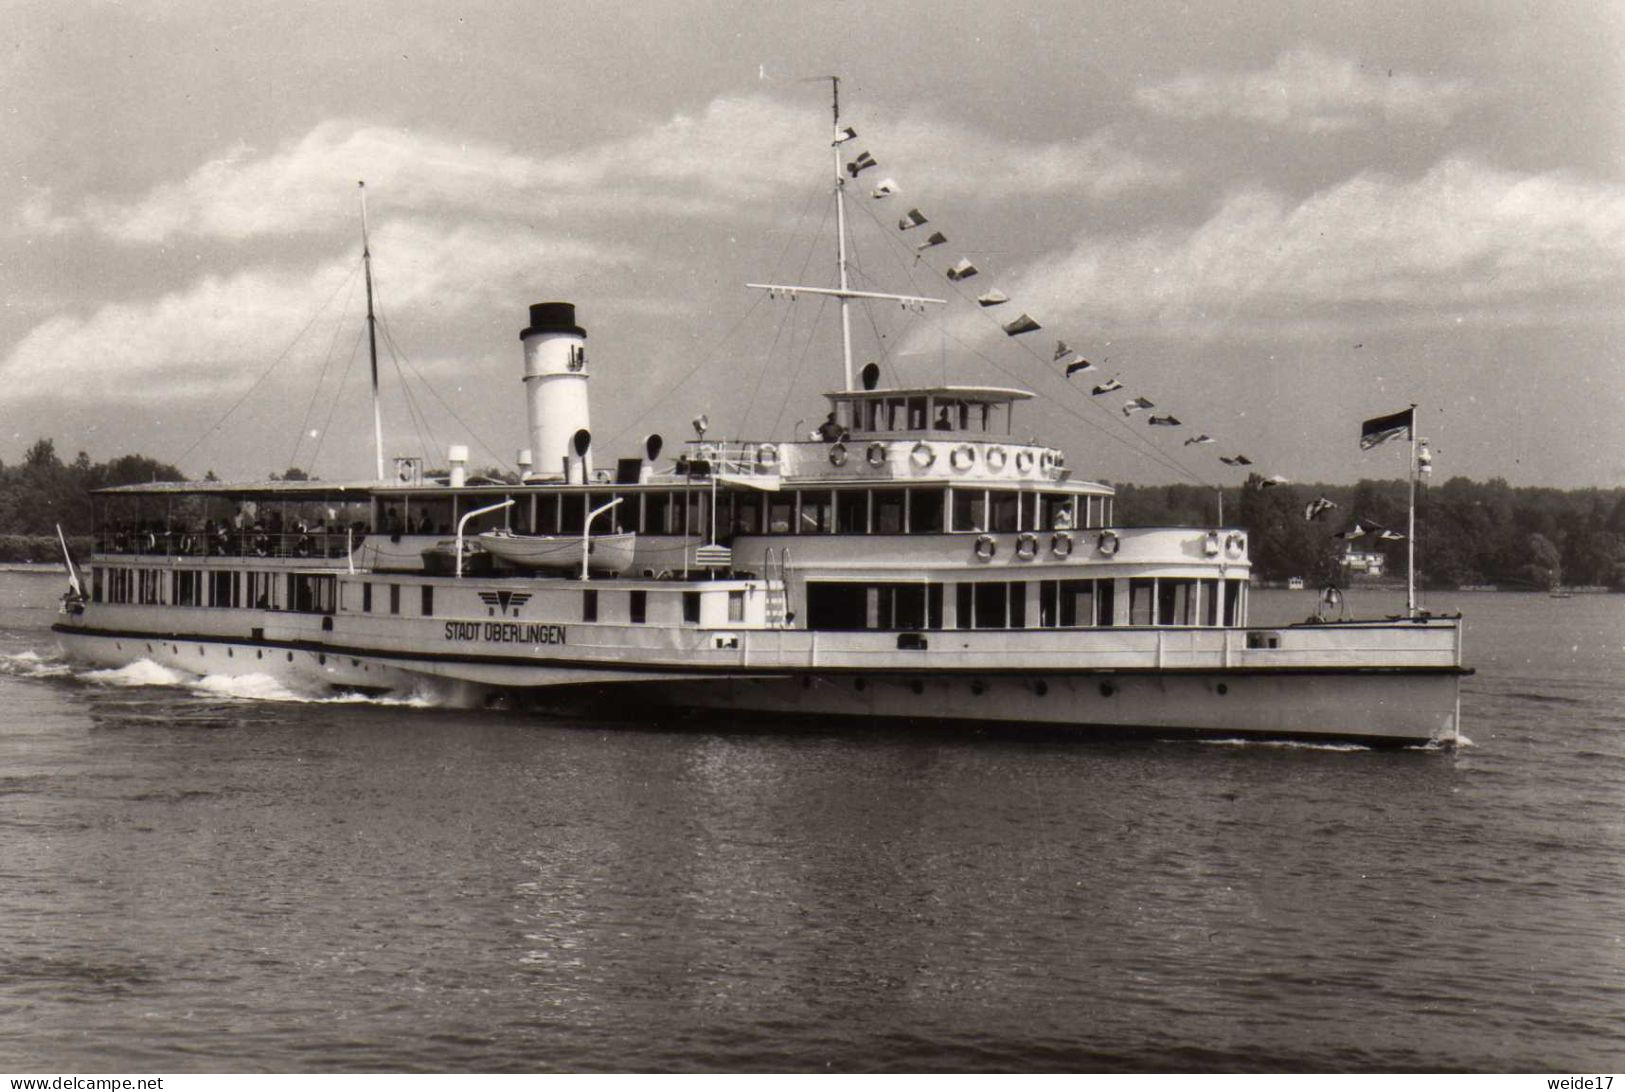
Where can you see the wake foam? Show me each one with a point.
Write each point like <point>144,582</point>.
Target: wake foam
<point>248,688</point>
<point>1287,744</point>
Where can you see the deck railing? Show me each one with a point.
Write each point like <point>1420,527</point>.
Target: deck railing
<point>229,543</point>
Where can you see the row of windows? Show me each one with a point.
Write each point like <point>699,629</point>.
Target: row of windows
<point>1018,604</point>
<point>214,588</point>
<point>886,511</point>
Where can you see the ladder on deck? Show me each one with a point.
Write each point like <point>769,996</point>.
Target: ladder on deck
<point>776,574</point>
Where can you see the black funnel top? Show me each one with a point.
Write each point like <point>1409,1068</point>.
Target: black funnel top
<point>552,318</point>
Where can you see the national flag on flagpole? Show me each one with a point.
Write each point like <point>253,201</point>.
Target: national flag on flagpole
<point>1380,429</point>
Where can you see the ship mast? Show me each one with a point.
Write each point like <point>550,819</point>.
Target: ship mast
<point>845,292</point>
<point>840,237</point>
<point>372,337</point>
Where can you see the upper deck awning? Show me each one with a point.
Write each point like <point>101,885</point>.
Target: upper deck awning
<point>306,490</point>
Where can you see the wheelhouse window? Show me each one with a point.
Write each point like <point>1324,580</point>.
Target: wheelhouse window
<point>1006,510</point>
<point>817,512</point>
<point>852,511</point>
<point>781,513</point>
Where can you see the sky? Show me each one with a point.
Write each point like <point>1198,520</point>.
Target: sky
<point>1272,220</point>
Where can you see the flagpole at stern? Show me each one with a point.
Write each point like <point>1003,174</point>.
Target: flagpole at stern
<point>1410,537</point>
<point>840,236</point>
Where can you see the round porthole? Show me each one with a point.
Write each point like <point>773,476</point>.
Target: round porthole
<point>1041,688</point>
<point>1107,689</point>
<point>1222,688</point>
<point>978,687</point>
<point>917,686</point>
<point>857,684</point>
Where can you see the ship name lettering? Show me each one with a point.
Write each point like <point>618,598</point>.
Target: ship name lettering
<point>513,633</point>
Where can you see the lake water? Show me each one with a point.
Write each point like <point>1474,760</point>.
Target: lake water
<point>197,875</point>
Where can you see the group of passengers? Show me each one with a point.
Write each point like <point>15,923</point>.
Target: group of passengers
<point>242,536</point>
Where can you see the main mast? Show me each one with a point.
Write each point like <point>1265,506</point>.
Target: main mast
<point>372,337</point>
<point>840,237</point>
<point>844,292</point>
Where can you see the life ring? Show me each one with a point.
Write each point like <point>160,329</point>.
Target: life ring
<point>876,454</point>
<point>963,457</point>
<point>923,455</point>
<point>1211,546</point>
<point>1108,543</point>
<point>1026,546</point>
<point>1235,545</point>
<point>1060,544</point>
<point>986,547</point>
<point>767,457</point>
<point>1024,461</point>
<point>837,454</point>
<point>996,458</point>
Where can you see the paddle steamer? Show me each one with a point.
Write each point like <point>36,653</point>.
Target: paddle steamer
<point>914,559</point>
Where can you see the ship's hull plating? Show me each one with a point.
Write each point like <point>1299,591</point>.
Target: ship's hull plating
<point>1385,705</point>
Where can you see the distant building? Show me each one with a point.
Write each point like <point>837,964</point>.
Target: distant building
<point>1364,562</point>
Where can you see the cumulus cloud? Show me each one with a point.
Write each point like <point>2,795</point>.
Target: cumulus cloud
<point>1311,91</point>
<point>720,161</point>
<point>1373,251</point>
<point>216,334</point>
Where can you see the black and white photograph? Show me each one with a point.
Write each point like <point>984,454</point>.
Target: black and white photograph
<point>704,537</point>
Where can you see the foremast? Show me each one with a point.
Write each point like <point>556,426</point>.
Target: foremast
<point>372,337</point>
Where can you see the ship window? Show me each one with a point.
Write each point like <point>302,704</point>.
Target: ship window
<point>781,513</point>
<point>1141,592</point>
<point>852,511</point>
<point>221,588</point>
<point>925,511</point>
<point>366,597</point>
<point>888,511</point>
<point>1057,512</point>
<point>427,605</point>
<point>916,414</point>
<point>896,410</point>
<point>736,606</point>
<point>698,510</point>
<point>1232,602</point>
<point>1106,602</point>
<point>1210,602</point>
<point>547,514</point>
<point>994,604</point>
<point>691,607</point>
<point>394,599</point>
<point>842,606</point>
<point>96,584</point>
<point>1066,603</point>
<point>1006,508</point>
<point>656,513</point>
<point>746,515</point>
<point>607,523</point>
<point>970,509</point>
<point>589,605</point>
<point>572,513</point>
<point>637,607</point>
<point>817,512</point>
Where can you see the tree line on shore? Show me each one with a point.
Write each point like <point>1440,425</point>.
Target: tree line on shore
<point>1468,533</point>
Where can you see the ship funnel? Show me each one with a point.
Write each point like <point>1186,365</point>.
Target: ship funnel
<point>457,457</point>
<point>556,389</point>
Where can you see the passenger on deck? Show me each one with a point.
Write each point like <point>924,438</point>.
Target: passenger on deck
<point>831,431</point>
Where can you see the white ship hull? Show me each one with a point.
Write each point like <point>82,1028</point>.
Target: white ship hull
<point>1411,697</point>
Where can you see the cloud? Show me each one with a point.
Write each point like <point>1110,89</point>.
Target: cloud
<point>217,334</point>
<point>735,155</point>
<point>1371,252</point>
<point>1311,91</point>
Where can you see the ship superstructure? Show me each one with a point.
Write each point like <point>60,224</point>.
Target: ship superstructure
<point>914,557</point>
